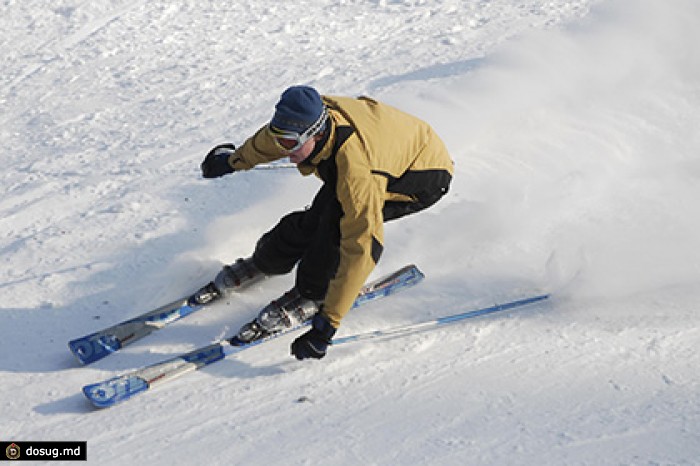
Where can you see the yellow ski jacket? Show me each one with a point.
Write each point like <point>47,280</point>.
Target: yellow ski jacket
<point>384,163</point>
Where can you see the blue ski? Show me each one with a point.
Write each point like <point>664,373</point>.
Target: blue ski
<point>95,346</point>
<point>123,387</point>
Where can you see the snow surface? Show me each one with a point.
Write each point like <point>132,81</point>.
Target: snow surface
<point>574,128</point>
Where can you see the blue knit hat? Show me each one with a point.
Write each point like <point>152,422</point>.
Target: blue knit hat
<point>298,109</point>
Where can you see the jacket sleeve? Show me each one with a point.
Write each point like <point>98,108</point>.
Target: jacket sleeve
<point>361,232</point>
<point>259,148</point>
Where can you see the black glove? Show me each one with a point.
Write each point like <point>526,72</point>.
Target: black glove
<point>216,162</point>
<point>313,344</point>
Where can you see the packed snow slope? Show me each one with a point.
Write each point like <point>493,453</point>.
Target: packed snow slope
<point>574,130</point>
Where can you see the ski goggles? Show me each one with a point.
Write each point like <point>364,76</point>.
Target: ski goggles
<point>290,141</point>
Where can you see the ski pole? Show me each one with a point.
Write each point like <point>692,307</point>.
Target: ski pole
<point>439,321</point>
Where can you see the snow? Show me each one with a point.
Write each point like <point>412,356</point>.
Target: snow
<point>573,125</point>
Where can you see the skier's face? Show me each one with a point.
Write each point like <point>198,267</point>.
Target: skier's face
<point>303,152</point>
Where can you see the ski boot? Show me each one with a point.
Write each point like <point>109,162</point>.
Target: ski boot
<point>289,311</point>
<point>232,278</point>
<point>237,276</point>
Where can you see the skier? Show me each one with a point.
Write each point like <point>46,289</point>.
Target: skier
<point>377,164</point>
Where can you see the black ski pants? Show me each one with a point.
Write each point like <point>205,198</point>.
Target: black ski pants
<point>311,238</point>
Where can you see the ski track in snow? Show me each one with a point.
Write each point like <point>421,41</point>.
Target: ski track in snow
<point>573,125</point>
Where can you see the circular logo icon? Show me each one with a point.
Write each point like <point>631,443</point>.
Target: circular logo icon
<point>12,451</point>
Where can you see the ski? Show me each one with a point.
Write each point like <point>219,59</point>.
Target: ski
<point>123,387</point>
<point>97,345</point>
